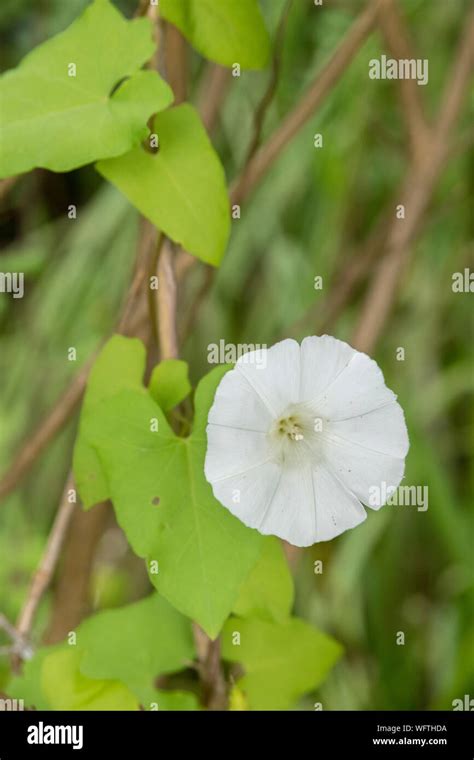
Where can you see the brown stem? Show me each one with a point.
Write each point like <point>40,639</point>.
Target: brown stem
<point>176,63</point>
<point>213,89</point>
<point>49,427</point>
<point>400,46</point>
<point>167,303</point>
<point>44,572</point>
<point>152,294</point>
<point>66,405</point>
<point>323,84</point>
<point>416,195</point>
<point>20,647</point>
<point>214,687</point>
<point>71,593</point>
<point>263,106</point>
<point>198,300</point>
<point>254,171</point>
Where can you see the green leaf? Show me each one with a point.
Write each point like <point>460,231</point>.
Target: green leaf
<point>166,507</point>
<point>268,591</point>
<point>169,383</point>
<point>52,681</point>
<point>176,700</point>
<point>237,700</point>
<point>228,32</point>
<point>282,661</point>
<point>59,122</point>
<point>27,686</point>
<point>159,699</point>
<point>181,189</point>
<point>136,644</point>
<point>120,364</point>
<point>66,688</point>
<point>115,663</point>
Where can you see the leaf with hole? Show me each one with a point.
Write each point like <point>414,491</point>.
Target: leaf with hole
<point>81,95</point>
<point>181,188</point>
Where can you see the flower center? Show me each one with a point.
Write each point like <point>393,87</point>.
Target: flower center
<point>291,427</point>
<point>293,436</point>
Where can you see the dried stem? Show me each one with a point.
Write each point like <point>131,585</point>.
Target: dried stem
<point>214,687</point>
<point>45,569</point>
<point>263,106</point>
<point>49,427</point>
<point>20,647</point>
<point>323,84</point>
<point>167,302</point>
<point>66,405</point>
<point>212,91</point>
<point>71,593</point>
<point>176,63</point>
<point>400,46</point>
<point>259,119</point>
<point>416,194</point>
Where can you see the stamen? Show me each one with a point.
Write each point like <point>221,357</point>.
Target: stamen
<point>292,436</point>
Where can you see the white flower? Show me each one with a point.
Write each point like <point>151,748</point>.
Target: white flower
<point>297,442</point>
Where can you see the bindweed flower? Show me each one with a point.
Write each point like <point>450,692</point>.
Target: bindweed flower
<point>297,442</point>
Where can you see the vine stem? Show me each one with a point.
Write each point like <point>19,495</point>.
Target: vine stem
<point>214,687</point>
<point>167,302</point>
<point>46,567</point>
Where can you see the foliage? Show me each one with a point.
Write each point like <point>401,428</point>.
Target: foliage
<point>403,569</point>
<point>228,33</point>
<point>181,188</point>
<point>61,117</point>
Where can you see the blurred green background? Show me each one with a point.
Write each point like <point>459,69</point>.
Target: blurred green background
<point>403,569</point>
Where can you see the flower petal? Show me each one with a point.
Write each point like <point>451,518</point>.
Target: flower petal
<point>359,388</point>
<point>248,494</point>
<point>277,382</point>
<point>382,429</point>
<point>237,404</point>
<point>310,505</point>
<point>365,472</point>
<point>322,361</point>
<point>301,506</point>
<point>314,492</point>
<point>337,509</point>
<point>232,451</point>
